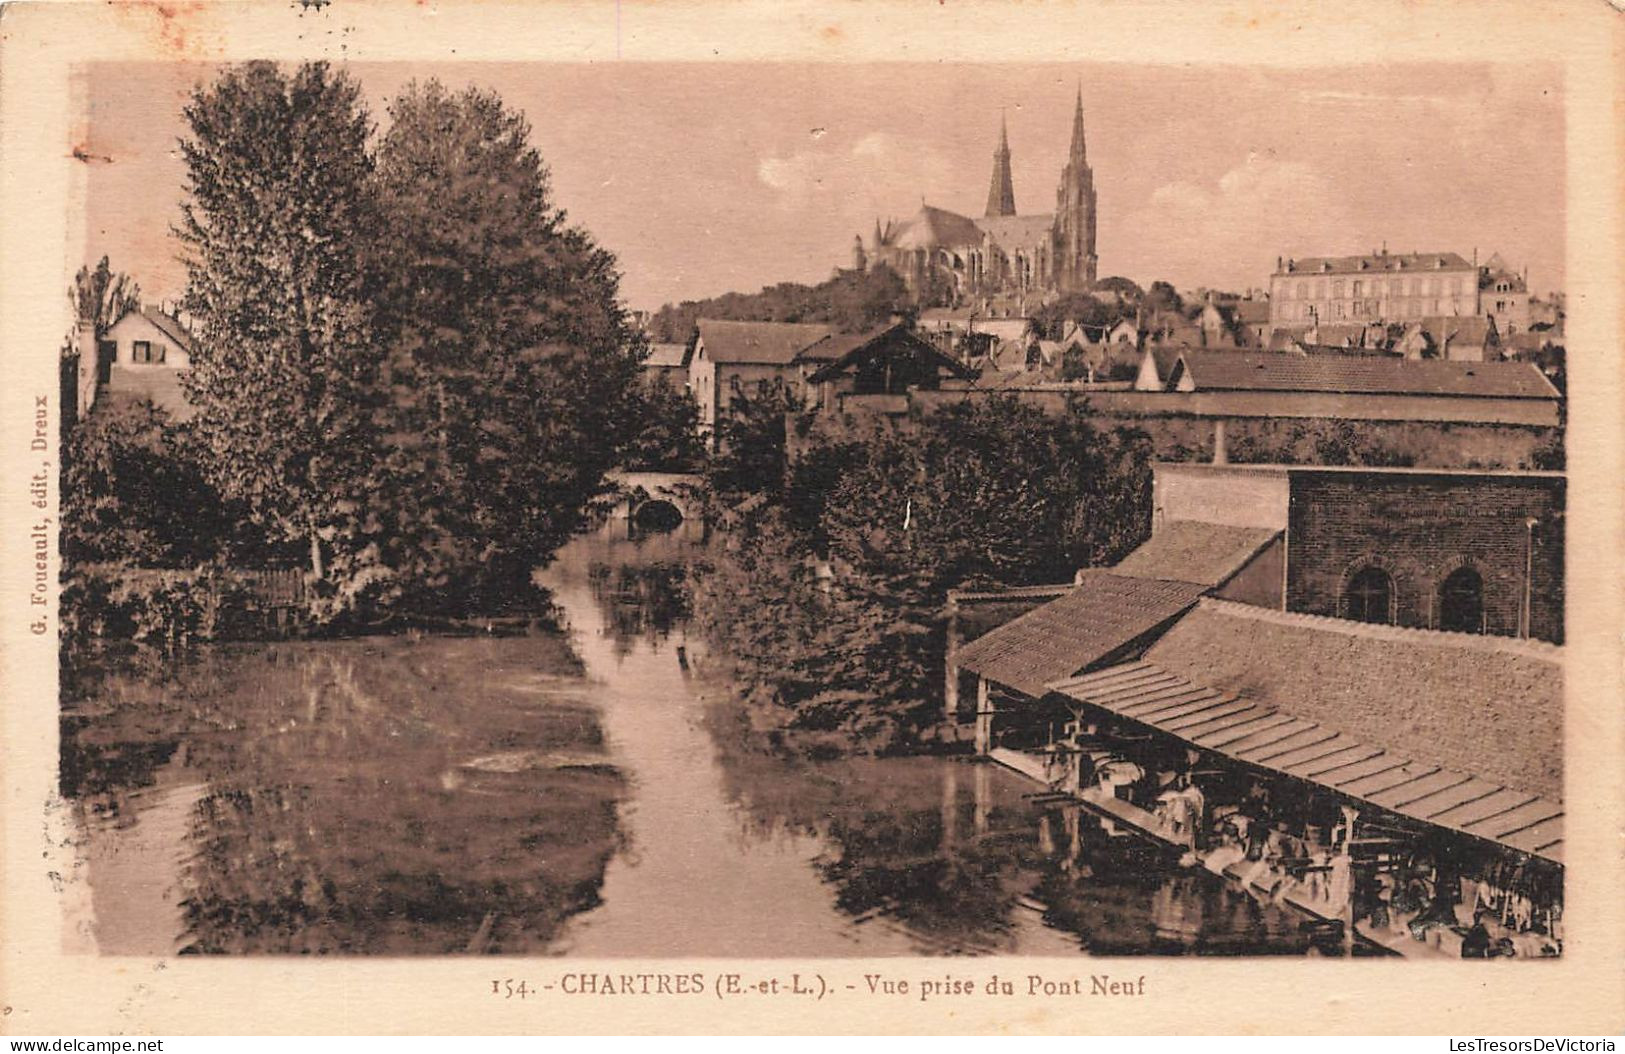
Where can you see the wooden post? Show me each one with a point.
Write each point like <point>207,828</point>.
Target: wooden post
<point>981,789</point>
<point>984,717</point>
<point>950,687</point>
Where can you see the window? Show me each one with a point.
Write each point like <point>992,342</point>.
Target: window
<point>1369,596</point>
<point>1359,288</point>
<point>1461,601</point>
<point>146,351</point>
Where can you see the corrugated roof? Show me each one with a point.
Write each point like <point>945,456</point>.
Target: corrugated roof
<point>1276,738</point>
<point>1188,551</point>
<point>1239,371</point>
<point>770,343</point>
<point>1102,614</point>
<point>1377,262</point>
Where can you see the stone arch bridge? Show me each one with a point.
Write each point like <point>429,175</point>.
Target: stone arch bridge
<point>648,503</point>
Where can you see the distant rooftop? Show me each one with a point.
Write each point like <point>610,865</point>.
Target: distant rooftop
<point>1492,705</point>
<point>667,356</point>
<point>1273,468</point>
<point>1189,551</point>
<point>1098,617</point>
<point>1274,372</point>
<point>767,343</point>
<point>1380,261</point>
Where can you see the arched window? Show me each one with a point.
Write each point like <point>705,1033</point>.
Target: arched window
<point>1461,601</point>
<point>1369,596</point>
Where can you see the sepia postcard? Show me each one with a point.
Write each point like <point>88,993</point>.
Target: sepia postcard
<point>630,517</point>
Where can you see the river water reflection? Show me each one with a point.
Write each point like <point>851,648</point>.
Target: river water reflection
<point>572,794</point>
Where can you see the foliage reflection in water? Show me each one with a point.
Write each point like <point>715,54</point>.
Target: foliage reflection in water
<point>588,793</point>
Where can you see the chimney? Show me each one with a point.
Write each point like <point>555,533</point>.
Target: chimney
<point>88,367</point>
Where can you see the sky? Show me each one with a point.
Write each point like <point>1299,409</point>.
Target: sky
<point>706,178</point>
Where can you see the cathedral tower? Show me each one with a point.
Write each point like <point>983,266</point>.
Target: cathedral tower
<point>1001,193</point>
<point>1075,213</point>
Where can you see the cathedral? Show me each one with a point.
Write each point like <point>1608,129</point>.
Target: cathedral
<point>949,258</point>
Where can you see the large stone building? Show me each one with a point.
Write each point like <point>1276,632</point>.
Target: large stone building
<point>963,260</point>
<point>1371,288</point>
<point>1384,287</point>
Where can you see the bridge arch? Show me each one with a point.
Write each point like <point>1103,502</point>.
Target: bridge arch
<point>657,516</point>
<point>653,503</point>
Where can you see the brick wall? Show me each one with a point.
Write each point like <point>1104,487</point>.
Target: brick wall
<point>1420,528</point>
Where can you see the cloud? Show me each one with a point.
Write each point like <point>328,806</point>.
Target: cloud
<point>875,172</point>
<point>1230,231</point>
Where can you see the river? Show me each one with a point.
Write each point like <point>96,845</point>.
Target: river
<point>570,791</point>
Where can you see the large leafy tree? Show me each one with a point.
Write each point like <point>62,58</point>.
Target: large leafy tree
<point>512,366</point>
<point>851,301</point>
<point>990,491</point>
<point>669,440</point>
<point>278,207</point>
<point>132,493</point>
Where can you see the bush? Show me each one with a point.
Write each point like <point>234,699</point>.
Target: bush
<point>153,607</point>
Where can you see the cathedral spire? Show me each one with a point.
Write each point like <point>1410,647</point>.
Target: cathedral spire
<point>1080,154</point>
<point>1001,191</point>
<point>1074,233</point>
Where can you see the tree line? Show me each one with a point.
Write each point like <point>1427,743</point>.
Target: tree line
<point>410,372</point>
<point>850,302</point>
<point>828,593</point>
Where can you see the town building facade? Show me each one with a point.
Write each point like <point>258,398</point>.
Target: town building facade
<point>1375,287</point>
<point>748,360</point>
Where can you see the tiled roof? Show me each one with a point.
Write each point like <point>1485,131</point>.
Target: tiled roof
<point>170,326</point>
<point>1017,232</point>
<point>1463,329</point>
<point>1348,334</point>
<point>164,322</point>
<point>1279,738</point>
<point>1233,371</point>
<point>1102,614</point>
<point>840,353</point>
<point>667,356</point>
<point>1286,338</point>
<point>933,228</point>
<point>1188,551</point>
<point>1341,349</point>
<point>1377,262</point>
<point>1252,312</point>
<point>771,343</point>
<point>1483,704</point>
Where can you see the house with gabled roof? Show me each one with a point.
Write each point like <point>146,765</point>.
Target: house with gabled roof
<point>746,359</point>
<point>147,351</point>
<point>876,368</point>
